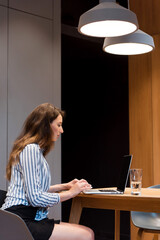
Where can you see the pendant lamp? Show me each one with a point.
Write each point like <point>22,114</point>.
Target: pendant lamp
<point>132,44</point>
<point>108,19</point>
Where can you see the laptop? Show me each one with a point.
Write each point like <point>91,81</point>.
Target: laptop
<point>122,181</point>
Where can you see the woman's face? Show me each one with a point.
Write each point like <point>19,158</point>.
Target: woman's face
<point>56,127</point>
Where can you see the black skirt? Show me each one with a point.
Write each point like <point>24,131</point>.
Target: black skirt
<point>40,230</point>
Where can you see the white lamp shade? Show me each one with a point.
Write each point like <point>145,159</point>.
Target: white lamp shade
<point>132,44</point>
<point>107,19</point>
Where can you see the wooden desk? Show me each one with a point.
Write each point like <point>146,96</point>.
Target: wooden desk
<point>148,201</point>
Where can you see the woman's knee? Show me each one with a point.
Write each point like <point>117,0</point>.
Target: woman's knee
<point>91,235</point>
<point>71,232</point>
<point>88,234</point>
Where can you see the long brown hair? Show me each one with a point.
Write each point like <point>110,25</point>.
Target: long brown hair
<point>36,129</point>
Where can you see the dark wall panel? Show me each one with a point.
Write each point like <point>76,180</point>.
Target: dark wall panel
<point>95,97</point>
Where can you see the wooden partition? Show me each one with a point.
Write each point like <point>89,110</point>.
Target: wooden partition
<point>144,99</point>
<point>140,115</point>
<point>156,109</point>
<point>144,116</point>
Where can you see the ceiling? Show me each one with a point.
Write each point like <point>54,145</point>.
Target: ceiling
<point>72,9</point>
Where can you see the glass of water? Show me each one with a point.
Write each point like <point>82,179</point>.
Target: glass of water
<point>136,181</point>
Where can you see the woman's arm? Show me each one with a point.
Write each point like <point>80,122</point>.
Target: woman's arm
<point>30,158</point>
<point>76,188</point>
<point>62,187</point>
<point>31,162</point>
<point>57,188</point>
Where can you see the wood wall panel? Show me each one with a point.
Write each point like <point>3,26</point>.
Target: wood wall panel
<point>144,81</point>
<point>140,115</point>
<point>144,73</point>
<point>147,12</point>
<point>144,117</point>
<point>156,109</point>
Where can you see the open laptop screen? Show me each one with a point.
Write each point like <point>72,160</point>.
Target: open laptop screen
<point>124,172</point>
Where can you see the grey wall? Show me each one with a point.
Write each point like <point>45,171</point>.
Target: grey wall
<point>30,72</point>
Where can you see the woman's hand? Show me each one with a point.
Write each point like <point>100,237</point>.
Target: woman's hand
<point>77,186</point>
<point>65,186</point>
<point>71,183</point>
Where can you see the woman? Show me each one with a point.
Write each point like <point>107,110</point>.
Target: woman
<point>29,193</point>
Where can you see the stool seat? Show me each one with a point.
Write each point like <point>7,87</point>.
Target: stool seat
<point>146,221</point>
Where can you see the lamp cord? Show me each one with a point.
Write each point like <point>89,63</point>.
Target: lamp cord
<point>128,5</point>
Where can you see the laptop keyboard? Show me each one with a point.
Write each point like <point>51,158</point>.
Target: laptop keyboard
<point>110,191</point>
<point>107,190</point>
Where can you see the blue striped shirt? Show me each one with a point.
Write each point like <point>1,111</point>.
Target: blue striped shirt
<point>30,182</point>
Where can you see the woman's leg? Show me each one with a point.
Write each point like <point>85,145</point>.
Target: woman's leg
<point>69,231</point>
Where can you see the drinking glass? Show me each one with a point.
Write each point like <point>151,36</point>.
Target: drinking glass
<point>136,181</point>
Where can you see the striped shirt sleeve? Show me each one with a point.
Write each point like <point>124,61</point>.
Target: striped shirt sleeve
<point>32,162</point>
